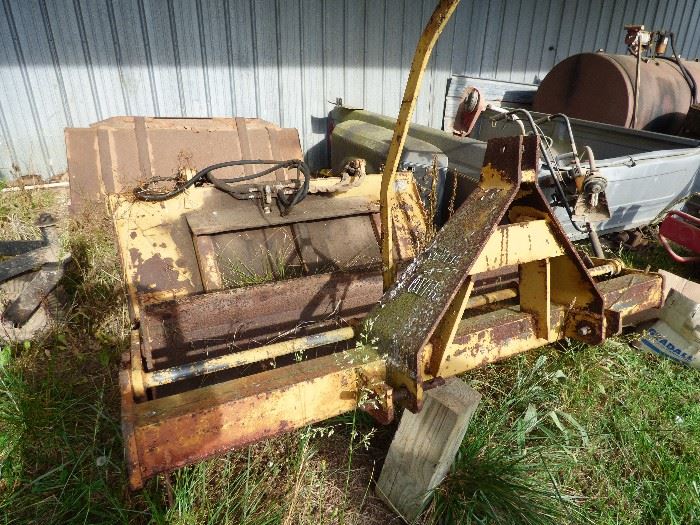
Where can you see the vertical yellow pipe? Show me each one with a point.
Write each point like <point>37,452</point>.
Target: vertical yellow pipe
<point>427,41</point>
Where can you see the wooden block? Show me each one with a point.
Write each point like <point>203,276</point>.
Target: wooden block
<point>425,446</point>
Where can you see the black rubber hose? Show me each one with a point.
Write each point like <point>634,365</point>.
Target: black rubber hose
<point>684,70</point>
<point>145,194</point>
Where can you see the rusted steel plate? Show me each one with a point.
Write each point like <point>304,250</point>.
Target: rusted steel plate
<point>494,335</point>
<point>188,427</point>
<point>83,168</point>
<point>183,428</point>
<point>237,215</point>
<point>571,284</point>
<point>490,336</point>
<point>207,260</point>
<point>155,244</point>
<point>341,244</point>
<point>284,143</point>
<point>176,331</point>
<point>115,154</point>
<point>633,293</point>
<point>219,322</point>
<point>412,308</point>
<point>131,453</point>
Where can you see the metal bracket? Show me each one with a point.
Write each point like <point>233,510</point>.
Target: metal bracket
<point>412,308</point>
<point>505,221</point>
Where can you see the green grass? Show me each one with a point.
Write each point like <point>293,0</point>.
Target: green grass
<point>624,446</point>
<point>19,211</point>
<point>565,434</point>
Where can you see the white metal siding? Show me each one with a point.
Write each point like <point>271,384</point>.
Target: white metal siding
<point>73,62</point>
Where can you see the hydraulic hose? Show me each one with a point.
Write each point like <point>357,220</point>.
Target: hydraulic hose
<point>683,70</point>
<point>145,193</point>
<point>559,188</point>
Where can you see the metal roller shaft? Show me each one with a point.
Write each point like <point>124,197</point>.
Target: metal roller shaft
<point>246,357</point>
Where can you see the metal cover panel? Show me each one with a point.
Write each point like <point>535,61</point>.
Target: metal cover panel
<point>130,150</point>
<point>237,215</point>
<point>347,243</point>
<point>83,168</point>
<point>254,256</point>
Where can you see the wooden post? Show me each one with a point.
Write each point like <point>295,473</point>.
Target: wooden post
<point>425,446</point>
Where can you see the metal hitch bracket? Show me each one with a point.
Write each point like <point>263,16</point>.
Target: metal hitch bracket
<point>415,321</point>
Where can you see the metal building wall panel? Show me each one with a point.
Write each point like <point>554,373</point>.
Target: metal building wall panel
<point>440,63</point>
<point>374,55</point>
<point>515,28</point>
<point>690,36</point>
<point>137,79</point>
<point>422,113</point>
<point>195,83</point>
<point>165,78</point>
<point>244,82</point>
<point>393,43</point>
<point>354,48</point>
<point>474,41</point>
<point>73,62</point>
<point>98,40</point>
<point>266,59</point>
<point>313,127</point>
<point>36,87</point>
<point>15,133</point>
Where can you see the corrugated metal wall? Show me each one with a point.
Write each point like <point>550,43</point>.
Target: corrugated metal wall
<point>73,62</point>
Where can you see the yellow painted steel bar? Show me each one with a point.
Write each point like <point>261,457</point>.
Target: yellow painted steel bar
<point>246,357</point>
<point>492,297</point>
<point>427,41</point>
<point>504,294</point>
<point>173,431</point>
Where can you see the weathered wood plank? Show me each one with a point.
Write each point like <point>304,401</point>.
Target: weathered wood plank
<point>425,446</point>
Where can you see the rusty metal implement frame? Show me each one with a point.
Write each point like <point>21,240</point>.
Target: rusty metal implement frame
<point>445,314</point>
<point>428,326</point>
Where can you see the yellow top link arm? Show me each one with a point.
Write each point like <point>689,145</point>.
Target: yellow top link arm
<point>427,41</point>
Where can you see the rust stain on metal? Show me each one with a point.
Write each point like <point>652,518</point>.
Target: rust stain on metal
<point>157,273</point>
<point>174,331</point>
